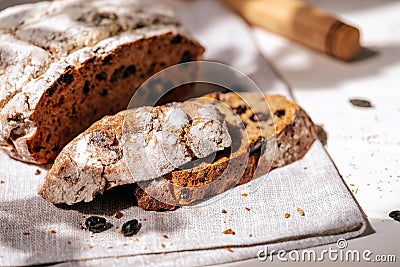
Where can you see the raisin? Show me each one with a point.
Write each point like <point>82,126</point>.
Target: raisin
<point>176,39</point>
<point>107,60</point>
<point>131,227</point>
<point>117,74</point>
<point>129,71</point>
<point>96,224</point>
<point>186,57</point>
<point>361,103</point>
<point>91,60</point>
<point>67,78</point>
<point>280,113</point>
<point>395,215</point>
<point>55,148</point>
<point>86,88</point>
<point>259,116</point>
<point>101,76</point>
<point>240,109</point>
<point>52,89</point>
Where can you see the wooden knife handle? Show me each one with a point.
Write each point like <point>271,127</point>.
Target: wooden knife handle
<point>302,23</point>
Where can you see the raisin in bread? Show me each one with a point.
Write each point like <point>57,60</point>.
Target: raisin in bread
<point>94,161</point>
<point>66,64</point>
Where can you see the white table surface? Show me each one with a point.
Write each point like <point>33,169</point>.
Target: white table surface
<point>364,143</point>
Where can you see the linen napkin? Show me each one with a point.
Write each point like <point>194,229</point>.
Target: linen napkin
<point>36,232</point>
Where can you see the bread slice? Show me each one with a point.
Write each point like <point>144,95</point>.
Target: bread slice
<point>66,64</point>
<point>157,140</point>
<point>95,160</point>
<point>289,130</point>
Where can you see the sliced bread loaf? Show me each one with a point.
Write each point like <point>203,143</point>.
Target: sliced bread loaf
<point>66,64</point>
<point>95,160</point>
<point>153,142</point>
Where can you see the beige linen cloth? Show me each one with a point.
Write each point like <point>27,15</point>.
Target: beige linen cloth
<point>36,232</point>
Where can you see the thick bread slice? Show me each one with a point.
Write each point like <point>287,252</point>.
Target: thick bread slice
<point>154,142</point>
<point>65,64</point>
<point>294,133</point>
<point>103,163</point>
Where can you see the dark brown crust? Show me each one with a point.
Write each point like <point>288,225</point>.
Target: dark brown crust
<point>295,133</point>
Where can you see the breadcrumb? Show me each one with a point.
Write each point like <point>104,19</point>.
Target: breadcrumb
<point>118,215</point>
<point>228,232</point>
<point>300,211</point>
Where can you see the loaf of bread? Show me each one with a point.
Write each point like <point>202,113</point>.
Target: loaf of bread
<point>67,63</point>
<point>95,160</point>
